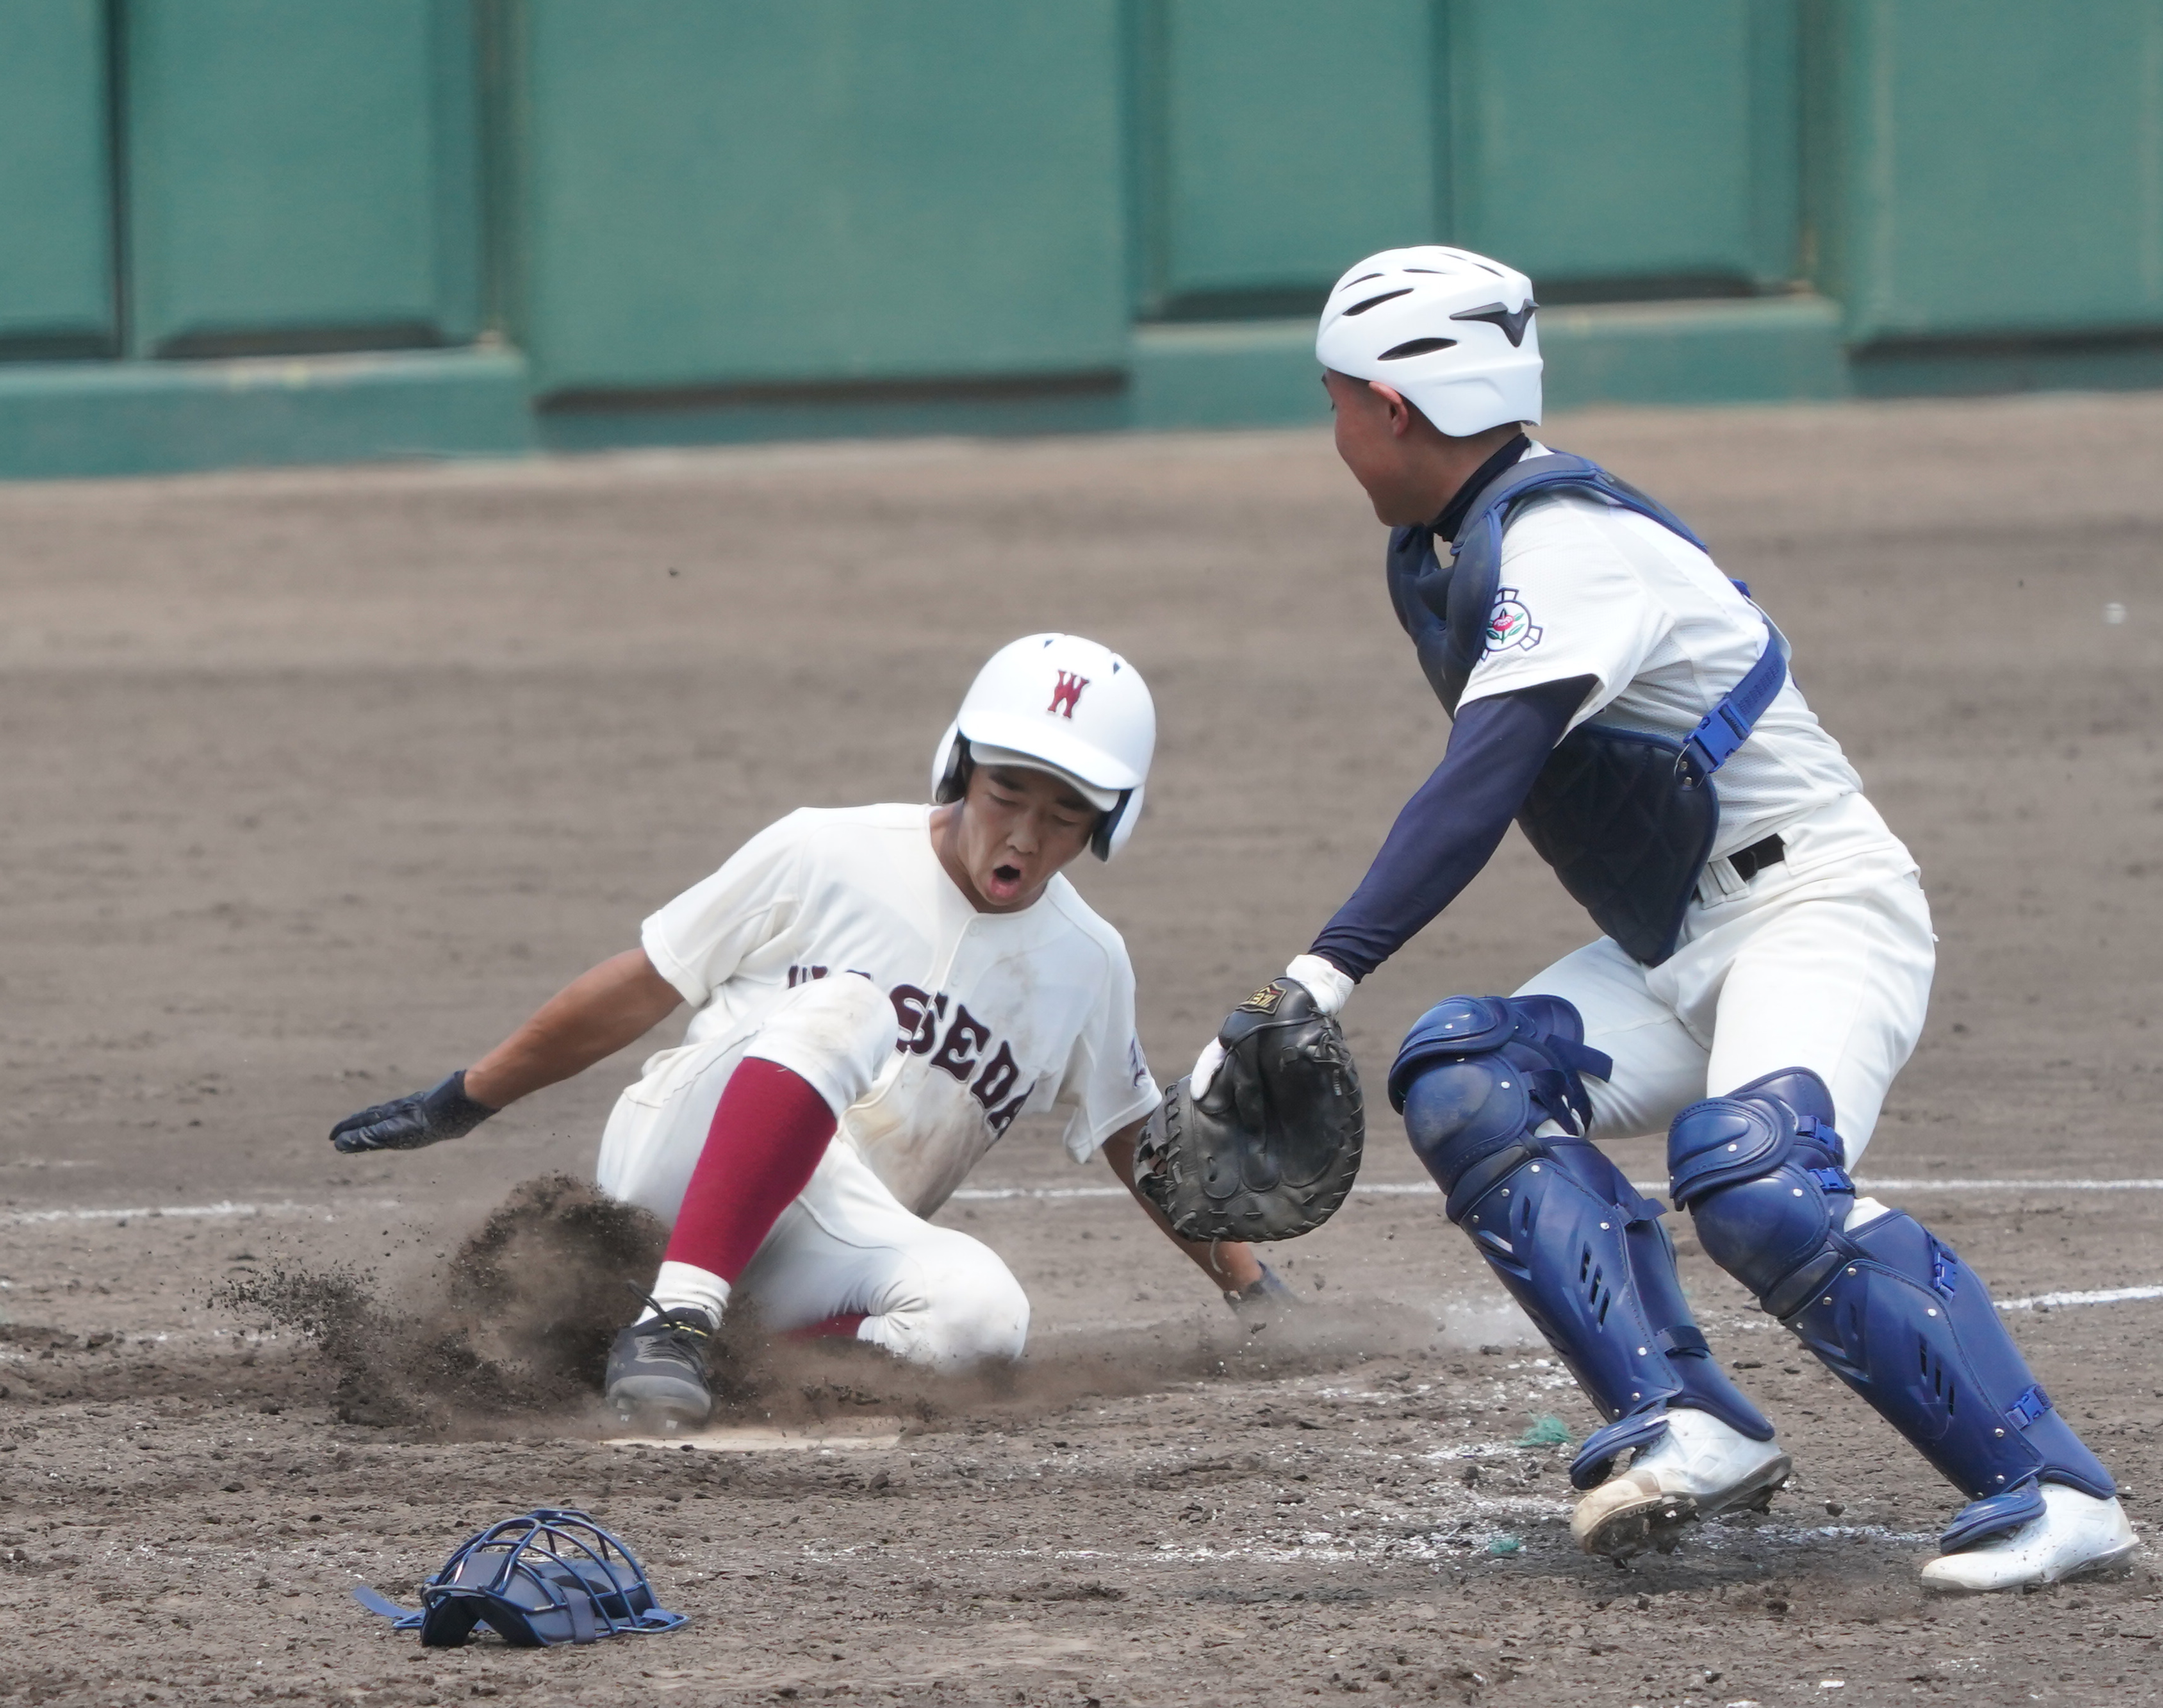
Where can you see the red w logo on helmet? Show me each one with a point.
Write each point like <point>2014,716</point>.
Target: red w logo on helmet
<point>1068,692</point>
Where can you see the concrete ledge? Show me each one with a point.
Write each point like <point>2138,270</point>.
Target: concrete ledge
<point>74,418</point>
<point>1086,404</point>
<point>1755,350</point>
<point>1227,374</point>
<point>1263,373</point>
<point>1975,368</point>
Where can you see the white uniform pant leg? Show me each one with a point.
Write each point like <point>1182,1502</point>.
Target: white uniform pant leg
<point>835,1034</point>
<point>930,1295</point>
<point>1659,1065</point>
<point>1837,984</point>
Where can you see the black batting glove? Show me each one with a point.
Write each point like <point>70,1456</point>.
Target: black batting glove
<point>408,1123</point>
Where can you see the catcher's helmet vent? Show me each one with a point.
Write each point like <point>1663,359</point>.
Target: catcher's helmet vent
<point>1377,302</point>
<point>1416,347</point>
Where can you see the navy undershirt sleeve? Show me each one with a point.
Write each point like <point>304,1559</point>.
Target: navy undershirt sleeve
<point>1452,826</point>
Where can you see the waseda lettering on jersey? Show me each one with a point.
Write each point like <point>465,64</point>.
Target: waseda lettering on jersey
<point>1068,694</point>
<point>921,1015</point>
<point>964,1043</point>
<point>804,975</point>
<point>997,1079</point>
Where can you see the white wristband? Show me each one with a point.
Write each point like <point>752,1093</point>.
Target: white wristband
<point>1205,1068</point>
<point>1329,988</point>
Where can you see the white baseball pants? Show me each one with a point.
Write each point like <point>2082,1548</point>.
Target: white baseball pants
<point>846,1246</point>
<point>1822,961</point>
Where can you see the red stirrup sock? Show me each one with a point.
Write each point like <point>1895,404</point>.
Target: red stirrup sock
<point>767,1136</point>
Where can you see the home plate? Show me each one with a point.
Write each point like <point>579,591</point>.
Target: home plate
<point>869,1433</point>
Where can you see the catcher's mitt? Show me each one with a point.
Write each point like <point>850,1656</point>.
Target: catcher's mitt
<point>1270,1150</point>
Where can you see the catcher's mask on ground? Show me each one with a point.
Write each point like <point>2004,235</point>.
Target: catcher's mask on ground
<point>548,1576</point>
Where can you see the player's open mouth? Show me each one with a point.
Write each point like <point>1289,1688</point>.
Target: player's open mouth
<point>1006,882</point>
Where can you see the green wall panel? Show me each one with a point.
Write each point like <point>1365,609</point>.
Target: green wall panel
<point>1997,166</point>
<point>1292,138</point>
<point>1592,141</point>
<point>56,207</point>
<point>729,192</point>
<point>301,175</point>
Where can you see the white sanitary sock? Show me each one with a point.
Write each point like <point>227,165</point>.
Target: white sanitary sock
<point>681,1286</point>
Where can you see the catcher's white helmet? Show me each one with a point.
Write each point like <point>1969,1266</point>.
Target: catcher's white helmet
<point>1451,330</point>
<point>1059,704</point>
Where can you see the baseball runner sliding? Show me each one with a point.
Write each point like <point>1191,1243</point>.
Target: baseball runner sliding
<point>876,993</point>
<point>1764,965</point>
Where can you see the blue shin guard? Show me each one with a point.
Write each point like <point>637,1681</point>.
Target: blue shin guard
<point>1568,1235</point>
<point>1890,1310</point>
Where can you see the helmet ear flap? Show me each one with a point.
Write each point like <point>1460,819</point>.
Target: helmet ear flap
<point>1115,826</point>
<point>951,766</point>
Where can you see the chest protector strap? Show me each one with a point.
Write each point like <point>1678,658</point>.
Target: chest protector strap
<point>1624,816</point>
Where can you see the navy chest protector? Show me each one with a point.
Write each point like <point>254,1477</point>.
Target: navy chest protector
<point>1627,818</point>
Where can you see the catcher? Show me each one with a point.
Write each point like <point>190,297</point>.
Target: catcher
<point>908,979</point>
<point>1763,970</point>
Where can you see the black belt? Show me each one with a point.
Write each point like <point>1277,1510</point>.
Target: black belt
<point>1749,861</point>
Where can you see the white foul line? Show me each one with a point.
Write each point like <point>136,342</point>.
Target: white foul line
<point>2036,1302</point>
<point>1399,1189</point>
<point>19,1219</point>
<point>1381,1189</point>
<point>2009,1186</point>
<point>2106,1295</point>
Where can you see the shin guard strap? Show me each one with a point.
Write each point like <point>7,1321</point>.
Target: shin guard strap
<point>1983,1521</point>
<point>1603,1447</point>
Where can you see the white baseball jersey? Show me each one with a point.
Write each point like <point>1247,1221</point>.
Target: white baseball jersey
<point>994,1014</point>
<point>1588,591</point>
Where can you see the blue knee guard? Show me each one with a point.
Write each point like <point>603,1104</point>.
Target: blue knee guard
<point>1568,1235</point>
<point>1891,1311</point>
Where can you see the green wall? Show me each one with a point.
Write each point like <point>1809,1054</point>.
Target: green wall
<point>593,222</point>
<point>56,296</point>
<point>301,175</point>
<point>723,192</point>
<point>1597,144</point>
<point>1262,121</point>
<point>1992,168</point>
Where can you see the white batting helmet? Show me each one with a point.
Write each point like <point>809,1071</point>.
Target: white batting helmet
<point>1451,330</point>
<point>1059,704</point>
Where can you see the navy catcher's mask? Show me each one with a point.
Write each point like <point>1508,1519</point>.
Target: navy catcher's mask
<point>548,1576</point>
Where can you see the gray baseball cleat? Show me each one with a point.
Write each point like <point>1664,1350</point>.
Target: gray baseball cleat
<point>656,1369</point>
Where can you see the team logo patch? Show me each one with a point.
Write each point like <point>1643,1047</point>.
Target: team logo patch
<point>1264,1001</point>
<point>1067,694</point>
<point>1511,624</point>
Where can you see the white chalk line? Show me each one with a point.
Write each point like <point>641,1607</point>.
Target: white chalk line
<point>2033,1301</point>
<point>1417,1188</point>
<point>227,1209</point>
<point>2103,1296</point>
<point>1388,1189</point>
<point>221,1210</point>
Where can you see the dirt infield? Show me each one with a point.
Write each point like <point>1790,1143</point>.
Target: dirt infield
<point>317,782</point>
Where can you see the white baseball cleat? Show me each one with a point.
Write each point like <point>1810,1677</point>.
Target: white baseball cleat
<point>2076,1534</point>
<point>1699,1467</point>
